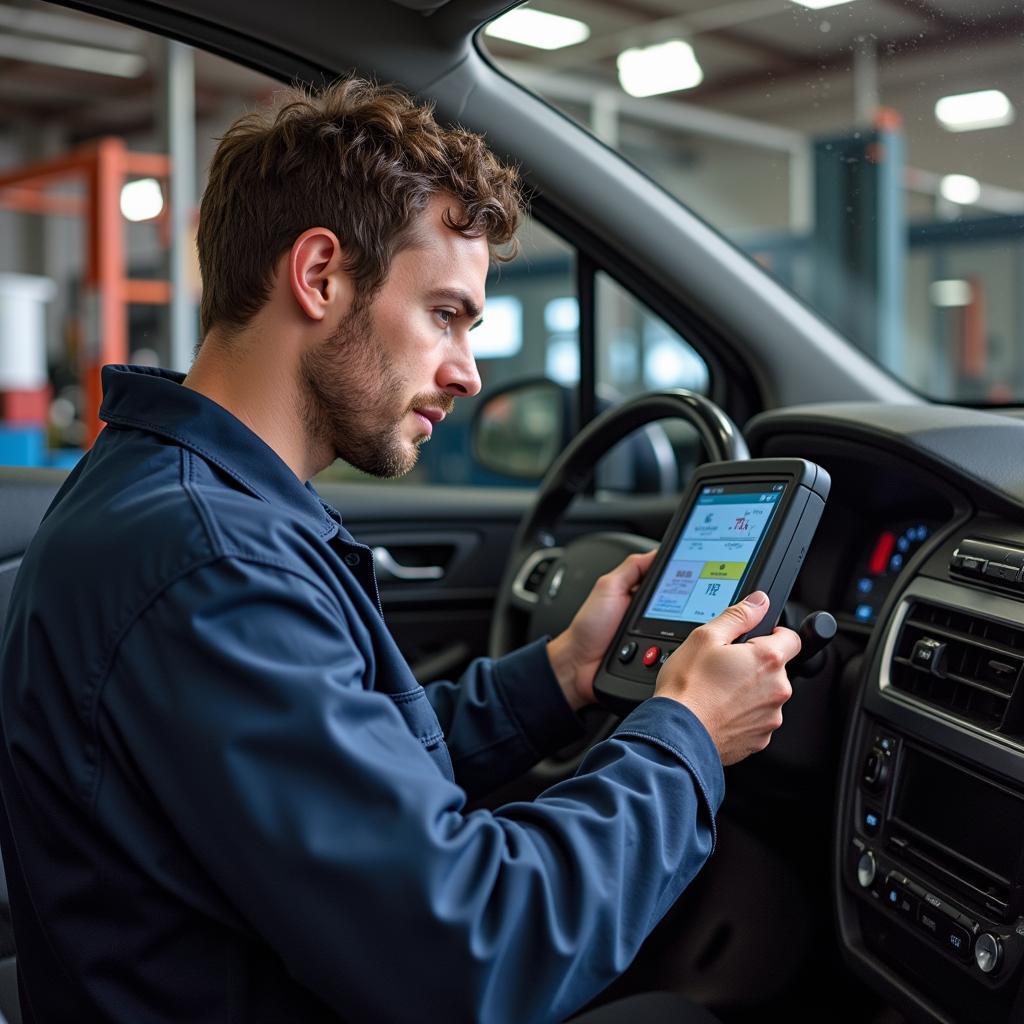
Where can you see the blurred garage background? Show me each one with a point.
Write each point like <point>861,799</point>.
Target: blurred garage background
<point>865,152</point>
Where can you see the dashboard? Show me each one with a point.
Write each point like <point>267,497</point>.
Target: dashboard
<point>885,550</point>
<point>920,554</point>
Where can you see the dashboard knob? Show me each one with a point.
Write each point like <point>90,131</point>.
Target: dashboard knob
<point>876,771</point>
<point>866,869</point>
<point>988,952</point>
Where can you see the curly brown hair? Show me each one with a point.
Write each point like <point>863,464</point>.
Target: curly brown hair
<point>359,158</point>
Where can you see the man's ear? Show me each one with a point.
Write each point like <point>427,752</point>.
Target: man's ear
<point>317,274</point>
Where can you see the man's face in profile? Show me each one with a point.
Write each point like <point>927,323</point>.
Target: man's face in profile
<point>391,370</point>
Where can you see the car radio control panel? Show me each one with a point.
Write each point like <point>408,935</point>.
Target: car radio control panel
<point>929,853</point>
<point>929,872</point>
<point>932,874</point>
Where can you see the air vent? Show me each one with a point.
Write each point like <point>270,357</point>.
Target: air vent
<point>963,663</point>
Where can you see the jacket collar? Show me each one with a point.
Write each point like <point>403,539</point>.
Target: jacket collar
<point>154,400</point>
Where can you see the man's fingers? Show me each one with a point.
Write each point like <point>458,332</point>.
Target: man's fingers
<point>739,618</point>
<point>785,642</point>
<point>630,572</point>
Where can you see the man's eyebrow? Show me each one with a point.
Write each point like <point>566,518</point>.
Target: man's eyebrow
<point>460,298</point>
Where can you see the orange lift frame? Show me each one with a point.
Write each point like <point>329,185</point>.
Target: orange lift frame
<point>103,167</point>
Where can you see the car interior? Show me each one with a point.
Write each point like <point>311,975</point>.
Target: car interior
<point>870,862</point>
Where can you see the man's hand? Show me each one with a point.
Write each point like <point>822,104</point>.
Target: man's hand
<point>736,690</point>
<point>576,654</point>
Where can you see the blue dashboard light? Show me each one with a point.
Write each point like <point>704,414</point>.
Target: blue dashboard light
<point>904,542</point>
<point>865,612</point>
<point>865,584</point>
<point>896,563</point>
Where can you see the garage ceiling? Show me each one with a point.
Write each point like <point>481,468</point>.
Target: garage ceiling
<point>741,45</point>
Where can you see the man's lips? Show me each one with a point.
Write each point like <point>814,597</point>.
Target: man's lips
<point>428,417</point>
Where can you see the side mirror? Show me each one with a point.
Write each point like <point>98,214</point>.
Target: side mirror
<point>520,428</point>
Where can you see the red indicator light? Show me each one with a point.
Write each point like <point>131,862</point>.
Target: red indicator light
<point>882,553</point>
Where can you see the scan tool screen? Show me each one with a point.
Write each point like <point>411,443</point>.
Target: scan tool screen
<point>719,542</point>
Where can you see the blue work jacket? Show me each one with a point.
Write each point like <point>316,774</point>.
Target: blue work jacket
<point>228,799</point>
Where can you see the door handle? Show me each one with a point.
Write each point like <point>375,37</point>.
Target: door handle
<point>406,573</point>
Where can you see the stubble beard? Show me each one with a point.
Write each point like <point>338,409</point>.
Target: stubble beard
<point>354,403</point>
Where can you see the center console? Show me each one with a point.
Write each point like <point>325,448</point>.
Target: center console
<point>929,871</point>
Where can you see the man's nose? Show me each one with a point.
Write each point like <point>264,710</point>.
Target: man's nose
<point>459,375</point>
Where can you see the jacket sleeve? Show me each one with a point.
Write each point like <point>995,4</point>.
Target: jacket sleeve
<point>502,717</point>
<point>238,694</point>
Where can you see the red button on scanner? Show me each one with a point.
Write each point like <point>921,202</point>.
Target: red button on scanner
<point>651,655</point>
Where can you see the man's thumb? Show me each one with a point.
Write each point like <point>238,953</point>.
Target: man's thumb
<point>740,618</point>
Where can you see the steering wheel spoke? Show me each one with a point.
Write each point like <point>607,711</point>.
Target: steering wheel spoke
<point>536,572</point>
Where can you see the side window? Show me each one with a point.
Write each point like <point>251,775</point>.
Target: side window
<point>530,342</point>
<point>637,352</point>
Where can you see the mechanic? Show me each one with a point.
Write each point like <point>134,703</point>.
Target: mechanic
<point>227,796</point>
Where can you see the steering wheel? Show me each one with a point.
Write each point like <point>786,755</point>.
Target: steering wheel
<point>543,585</point>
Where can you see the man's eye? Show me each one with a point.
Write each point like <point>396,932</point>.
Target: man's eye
<point>446,316</point>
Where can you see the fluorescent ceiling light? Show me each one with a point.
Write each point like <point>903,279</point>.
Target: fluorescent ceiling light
<point>950,293</point>
<point>538,28</point>
<point>817,5</point>
<point>969,111</point>
<point>664,67</point>
<point>960,188</point>
<point>142,199</point>
<point>77,58</point>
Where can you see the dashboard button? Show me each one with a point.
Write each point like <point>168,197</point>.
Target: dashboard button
<point>626,652</point>
<point>901,901</point>
<point>956,939</point>
<point>1003,573</point>
<point>1013,556</point>
<point>929,920</point>
<point>972,565</point>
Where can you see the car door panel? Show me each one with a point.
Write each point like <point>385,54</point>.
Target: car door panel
<point>441,623</point>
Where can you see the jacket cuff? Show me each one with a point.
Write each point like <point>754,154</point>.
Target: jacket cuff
<point>675,728</point>
<point>527,685</point>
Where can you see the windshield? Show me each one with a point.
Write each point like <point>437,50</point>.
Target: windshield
<point>865,152</point>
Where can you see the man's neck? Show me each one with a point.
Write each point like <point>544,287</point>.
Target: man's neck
<point>257,385</point>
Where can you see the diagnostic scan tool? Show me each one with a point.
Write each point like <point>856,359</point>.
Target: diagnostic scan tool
<point>742,526</point>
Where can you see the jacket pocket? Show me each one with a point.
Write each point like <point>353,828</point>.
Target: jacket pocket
<point>423,724</point>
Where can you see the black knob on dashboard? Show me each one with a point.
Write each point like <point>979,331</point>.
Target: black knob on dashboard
<point>876,771</point>
<point>867,868</point>
<point>988,952</point>
<point>815,632</point>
